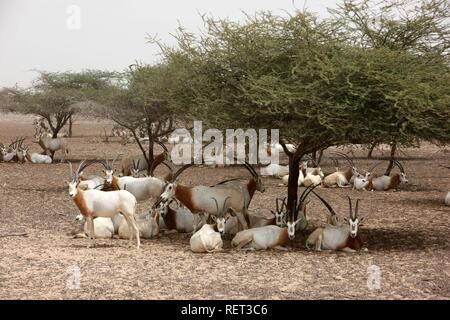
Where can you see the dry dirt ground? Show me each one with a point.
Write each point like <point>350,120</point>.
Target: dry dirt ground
<point>406,235</point>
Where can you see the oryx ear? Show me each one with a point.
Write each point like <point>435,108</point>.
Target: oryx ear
<point>361,219</point>
<point>80,174</point>
<point>345,219</point>
<point>214,218</point>
<point>66,182</point>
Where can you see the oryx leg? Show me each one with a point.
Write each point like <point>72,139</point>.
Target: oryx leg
<point>91,230</point>
<point>347,249</point>
<point>244,242</point>
<point>319,242</point>
<point>242,222</point>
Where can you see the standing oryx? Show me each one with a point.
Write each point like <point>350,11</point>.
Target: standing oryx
<point>198,199</point>
<point>142,188</point>
<point>247,190</point>
<point>96,203</point>
<point>51,145</point>
<point>342,236</point>
<point>384,183</point>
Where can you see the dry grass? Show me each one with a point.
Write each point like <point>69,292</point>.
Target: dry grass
<point>406,235</point>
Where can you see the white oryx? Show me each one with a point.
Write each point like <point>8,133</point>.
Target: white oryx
<point>96,203</point>
<point>384,182</point>
<point>343,236</point>
<point>142,188</point>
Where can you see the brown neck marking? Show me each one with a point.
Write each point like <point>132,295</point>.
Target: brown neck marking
<point>355,243</point>
<point>348,173</point>
<point>28,157</point>
<point>251,187</point>
<point>170,219</point>
<point>81,204</point>
<point>395,181</point>
<point>283,238</point>
<point>115,183</point>
<point>184,195</point>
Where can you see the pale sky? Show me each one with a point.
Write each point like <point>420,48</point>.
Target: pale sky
<point>44,34</point>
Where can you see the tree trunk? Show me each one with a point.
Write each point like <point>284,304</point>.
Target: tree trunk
<point>371,148</point>
<point>294,164</point>
<point>70,126</point>
<point>320,156</point>
<point>151,156</point>
<point>391,162</point>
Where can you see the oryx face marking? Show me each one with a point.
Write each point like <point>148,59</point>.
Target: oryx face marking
<point>73,189</point>
<point>403,178</point>
<point>109,175</point>
<point>291,229</point>
<point>221,222</point>
<point>353,227</point>
<point>279,218</point>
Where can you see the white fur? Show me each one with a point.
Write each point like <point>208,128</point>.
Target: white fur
<point>206,240</point>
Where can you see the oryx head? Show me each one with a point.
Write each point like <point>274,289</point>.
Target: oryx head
<point>169,190</point>
<point>353,219</point>
<point>280,213</point>
<point>403,178</point>
<point>135,169</point>
<point>109,169</point>
<point>222,215</point>
<point>298,211</point>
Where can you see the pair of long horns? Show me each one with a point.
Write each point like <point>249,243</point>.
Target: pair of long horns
<point>282,206</point>
<point>305,195</point>
<point>399,165</point>
<point>353,214</point>
<point>346,157</point>
<point>309,158</point>
<point>75,175</point>
<point>249,167</point>
<point>224,207</point>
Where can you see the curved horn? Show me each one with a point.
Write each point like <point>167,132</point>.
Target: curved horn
<point>224,204</point>
<point>70,169</point>
<point>347,158</point>
<point>162,146</point>
<point>217,205</point>
<point>114,160</point>
<point>374,166</point>
<point>179,171</point>
<point>304,195</point>
<point>326,204</point>
<point>350,207</point>
<point>248,166</point>
<point>399,165</point>
<point>81,167</point>
<point>356,207</point>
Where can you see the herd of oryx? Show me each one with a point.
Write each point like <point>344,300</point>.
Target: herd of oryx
<point>107,205</point>
<point>108,202</point>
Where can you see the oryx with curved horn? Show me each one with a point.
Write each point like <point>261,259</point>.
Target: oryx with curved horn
<point>95,203</point>
<point>384,183</point>
<point>342,236</point>
<point>142,188</point>
<point>198,198</point>
<point>342,178</point>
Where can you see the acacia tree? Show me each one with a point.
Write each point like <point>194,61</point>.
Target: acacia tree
<point>418,28</point>
<point>140,102</point>
<point>299,74</point>
<point>53,96</point>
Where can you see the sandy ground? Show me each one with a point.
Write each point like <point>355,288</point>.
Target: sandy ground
<point>406,234</point>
